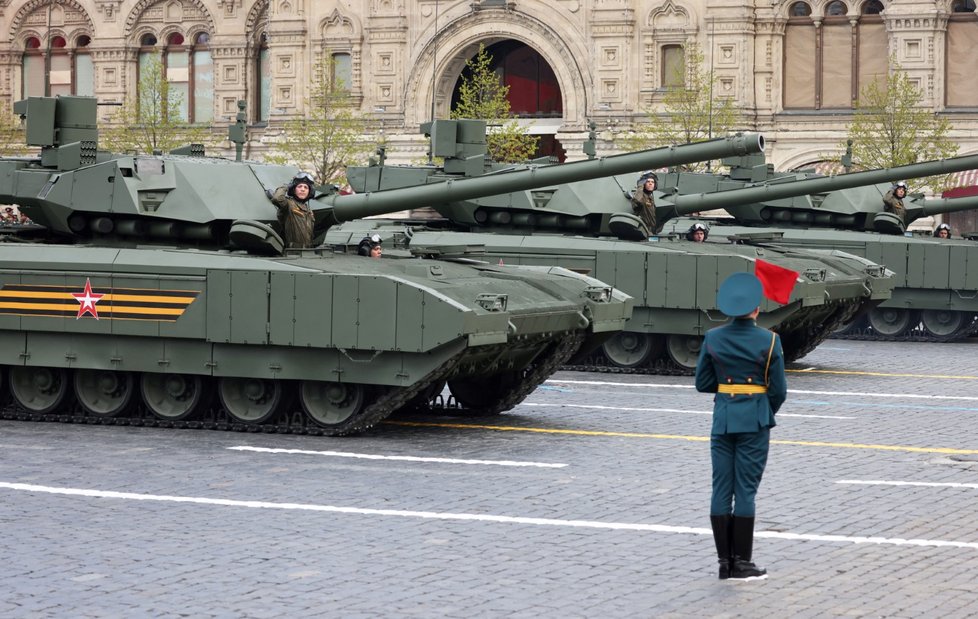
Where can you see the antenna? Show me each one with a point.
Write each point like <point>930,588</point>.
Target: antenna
<point>709,130</point>
<point>434,71</point>
<point>47,57</point>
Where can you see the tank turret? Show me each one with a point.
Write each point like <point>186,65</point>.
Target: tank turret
<point>184,198</point>
<point>752,193</point>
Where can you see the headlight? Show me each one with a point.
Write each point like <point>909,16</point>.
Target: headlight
<point>492,302</point>
<point>598,294</point>
<point>816,275</point>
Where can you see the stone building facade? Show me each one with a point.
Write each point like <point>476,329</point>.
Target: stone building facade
<point>793,67</point>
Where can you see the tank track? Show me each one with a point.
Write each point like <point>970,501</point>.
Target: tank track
<point>539,371</point>
<point>917,334</point>
<point>819,335</point>
<point>599,363</point>
<point>216,418</point>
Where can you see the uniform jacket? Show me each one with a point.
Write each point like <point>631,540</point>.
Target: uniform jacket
<point>644,206</point>
<point>894,204</point>
<point>296,218</point>
<point>737,353</point>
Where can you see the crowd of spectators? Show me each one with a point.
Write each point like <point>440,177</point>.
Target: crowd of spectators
<point>11,216</point>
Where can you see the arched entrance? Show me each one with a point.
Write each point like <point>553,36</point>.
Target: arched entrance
<point>534,93</point>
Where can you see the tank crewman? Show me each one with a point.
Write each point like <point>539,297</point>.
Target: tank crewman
<point>643,201</point>
<point>893,200</point>
<point>697,233</point>
<point>370,247</point>
<point>942,231</point>
<point>294,214</point>
<point>743,364</point>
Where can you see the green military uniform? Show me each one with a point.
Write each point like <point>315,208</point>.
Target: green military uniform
<point>894,204</point>
<point>743,364</point>
<point>643,202</point>
<point>295,216</point>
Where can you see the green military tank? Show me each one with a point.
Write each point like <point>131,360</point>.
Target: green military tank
<point>589,226</point>
<point>155,290</point>
<point>936,281</point>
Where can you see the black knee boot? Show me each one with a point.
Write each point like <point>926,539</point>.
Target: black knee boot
<point>721,537</point>
<point>742,545</point>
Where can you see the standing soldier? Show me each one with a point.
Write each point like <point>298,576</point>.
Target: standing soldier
<point>893,201</point>
<point>743,365</point>
<point>292,202</point>
<point>643,202</point>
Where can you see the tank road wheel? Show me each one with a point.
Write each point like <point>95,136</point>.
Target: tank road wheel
<point>944,324</point>
<point>684,350</point>
<point>331,405</point>
<point>891,321</point>
<point>629,349</point>
<point>251,400</point>
<point>104,393</point>
<point>40,390</point>
<point>173,396</point>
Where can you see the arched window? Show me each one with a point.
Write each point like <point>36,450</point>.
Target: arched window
<point>836,8</point>
<point>342,77</point>
<point>32,65</point>
<point>961,54</point>
<point>828,66</point>
<point>800,9</point>
<point>58,70</point>
<point>189,71</point>
<point>873,7</point>
<point>84,69</point>
<point>673,65</point>
<point>263,71</point>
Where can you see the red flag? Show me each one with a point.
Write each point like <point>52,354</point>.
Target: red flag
<point>777,282</point>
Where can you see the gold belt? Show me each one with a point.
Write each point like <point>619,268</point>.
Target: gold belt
<point>739,389</point>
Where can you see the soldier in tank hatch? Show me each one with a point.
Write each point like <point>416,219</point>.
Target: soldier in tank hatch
<point>370,247</point>
<point>643,200</point>
<point>294,214</point>
<point>893,200</point>
<point>743,364</point>
<point>697,233</point>
<point>942,231</point>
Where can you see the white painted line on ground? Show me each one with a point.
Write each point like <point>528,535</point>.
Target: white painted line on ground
<point>928,484</point>
<point>345,454</point>
<point>668,410</point>
<point>587,524</point>
<point>805,391</point>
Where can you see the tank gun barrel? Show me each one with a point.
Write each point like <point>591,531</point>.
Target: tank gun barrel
<point>787,188</point>
<point>348,207</point>
<point>939,206</point>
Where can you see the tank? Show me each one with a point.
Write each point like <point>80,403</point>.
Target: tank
<point>936,281</point>
<point>156,292</point>
<point>589,226</point>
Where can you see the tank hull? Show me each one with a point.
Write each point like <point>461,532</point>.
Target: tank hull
<point>935,294</point>
<point>673,282</point>
<point>312,342</point>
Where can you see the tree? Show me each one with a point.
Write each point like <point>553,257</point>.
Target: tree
<point>890,128</point>
<point>690,111</point>
<point>483,96</point>
<point>330,134</point>
<point>150,121</point>
<point>12,135</point>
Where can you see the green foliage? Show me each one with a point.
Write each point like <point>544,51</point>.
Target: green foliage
<point>150,121</point>
<point>687,111</point>
<point>330,136</point>
<point>482,96</point>
<point>889,128</point>
<point>12,136</point>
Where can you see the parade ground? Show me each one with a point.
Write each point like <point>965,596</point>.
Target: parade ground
<point>590,499</point>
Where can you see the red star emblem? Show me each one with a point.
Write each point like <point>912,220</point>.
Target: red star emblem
<point>88,299</point>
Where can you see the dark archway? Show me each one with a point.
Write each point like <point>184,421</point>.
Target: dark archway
<point>534,92</point>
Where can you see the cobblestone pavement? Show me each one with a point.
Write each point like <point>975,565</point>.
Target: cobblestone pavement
<point>867,508</point>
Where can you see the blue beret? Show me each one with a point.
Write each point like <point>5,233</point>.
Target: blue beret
<point>739,294</point>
